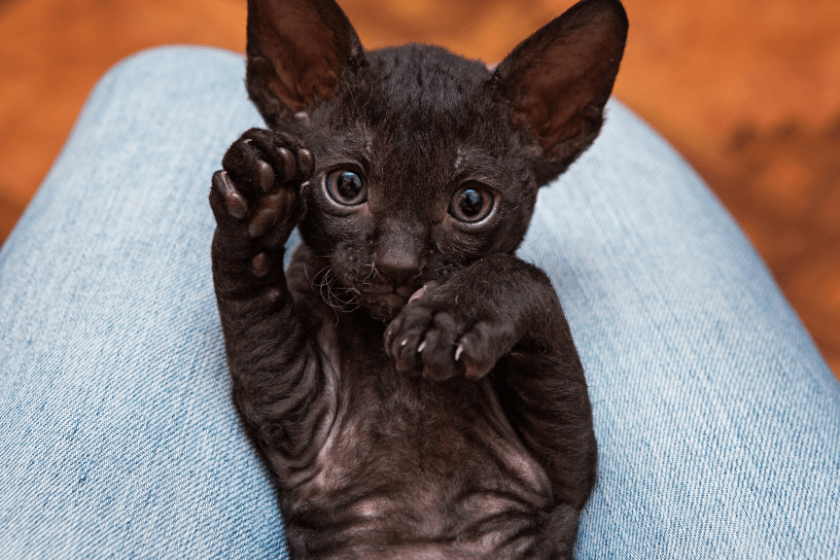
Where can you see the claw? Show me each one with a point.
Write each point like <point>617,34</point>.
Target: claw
<point>458,352</point>
<point>234,202</point>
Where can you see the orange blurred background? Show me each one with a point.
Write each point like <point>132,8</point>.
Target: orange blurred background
<point>747,91</point>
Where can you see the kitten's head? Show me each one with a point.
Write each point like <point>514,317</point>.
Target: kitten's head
<point>426,161</point>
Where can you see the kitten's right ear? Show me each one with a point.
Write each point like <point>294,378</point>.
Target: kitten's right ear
<point>297,51</point>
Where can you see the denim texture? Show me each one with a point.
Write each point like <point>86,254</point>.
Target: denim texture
<point>718,422</point>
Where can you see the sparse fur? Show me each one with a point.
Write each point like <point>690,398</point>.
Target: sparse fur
<point>454,425</point>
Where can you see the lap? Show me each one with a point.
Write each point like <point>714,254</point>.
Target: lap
<point>716,418</point>
<point>119,433</point>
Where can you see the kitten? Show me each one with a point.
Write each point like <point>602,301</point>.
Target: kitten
<point>412,386</point>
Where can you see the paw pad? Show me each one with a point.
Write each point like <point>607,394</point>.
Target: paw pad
<point>261,265</point>
<point>266,174</point>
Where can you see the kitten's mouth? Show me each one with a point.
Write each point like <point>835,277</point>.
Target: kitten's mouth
<point>387,290</point>
<point>388,295</point>
<point>384,302</point>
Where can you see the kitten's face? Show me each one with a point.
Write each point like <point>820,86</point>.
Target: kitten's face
<point>425,161</point>
<point>417,175</point>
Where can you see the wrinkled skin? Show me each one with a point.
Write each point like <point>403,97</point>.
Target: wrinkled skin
<point>412,386</point>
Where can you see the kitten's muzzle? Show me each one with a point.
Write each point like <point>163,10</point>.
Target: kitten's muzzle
<point>384,301</point>
<point>397,265</point>
<point>390,292</point>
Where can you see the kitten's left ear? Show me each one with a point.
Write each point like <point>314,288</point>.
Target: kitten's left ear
<point>558,80</point>
<point>297,51</point>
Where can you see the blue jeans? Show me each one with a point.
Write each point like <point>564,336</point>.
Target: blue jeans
<point>718,422</point>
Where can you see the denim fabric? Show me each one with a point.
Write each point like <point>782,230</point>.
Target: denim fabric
<point>718,422</point>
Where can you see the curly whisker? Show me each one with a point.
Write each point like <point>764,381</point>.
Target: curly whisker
<point>341,299</point>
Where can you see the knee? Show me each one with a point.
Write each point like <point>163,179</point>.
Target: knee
<point>172,70</point>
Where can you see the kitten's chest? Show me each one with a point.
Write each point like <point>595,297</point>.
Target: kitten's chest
<point>409,457</point>
<point>395,434</point>
<point>406,427</point>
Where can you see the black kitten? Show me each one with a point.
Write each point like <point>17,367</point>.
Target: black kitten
<point>412,386</point>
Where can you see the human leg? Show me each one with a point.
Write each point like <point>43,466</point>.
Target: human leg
<point>119,437</point>
<point>717,420</point>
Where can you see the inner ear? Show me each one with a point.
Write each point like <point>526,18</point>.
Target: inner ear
<point>559,79</point>
<point>296,52</point>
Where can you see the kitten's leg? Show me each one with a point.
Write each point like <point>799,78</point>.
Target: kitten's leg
<point>271,349</point>
<point>501,316</point>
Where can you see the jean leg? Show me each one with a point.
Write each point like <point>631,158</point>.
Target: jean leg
<point>119,437</point>
<point>717,420</point>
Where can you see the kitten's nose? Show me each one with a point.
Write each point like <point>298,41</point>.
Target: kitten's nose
<point>397,266</point>
<point>399,246</point>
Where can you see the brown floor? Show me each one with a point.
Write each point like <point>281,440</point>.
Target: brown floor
<point>747,91</point>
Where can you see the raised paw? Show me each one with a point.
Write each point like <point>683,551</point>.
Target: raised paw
<point>435,337</point>
<point>258,198</point>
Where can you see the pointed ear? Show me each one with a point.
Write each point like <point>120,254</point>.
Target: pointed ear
<point>297,51</point>
<point>559,79</point>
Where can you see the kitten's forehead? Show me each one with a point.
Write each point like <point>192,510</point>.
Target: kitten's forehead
<point>422,104</point>
<point>424,82</point>
<point>419,120</point>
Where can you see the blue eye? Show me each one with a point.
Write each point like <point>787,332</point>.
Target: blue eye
<point>471,203</point>
<point>346,187</point>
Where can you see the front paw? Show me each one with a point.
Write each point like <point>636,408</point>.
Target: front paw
<point>439,339</point>
<point>258,198</point>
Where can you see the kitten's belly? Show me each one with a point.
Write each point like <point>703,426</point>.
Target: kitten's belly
<point>422,477</point>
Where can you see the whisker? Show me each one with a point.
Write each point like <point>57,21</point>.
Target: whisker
<point>339,298</point>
